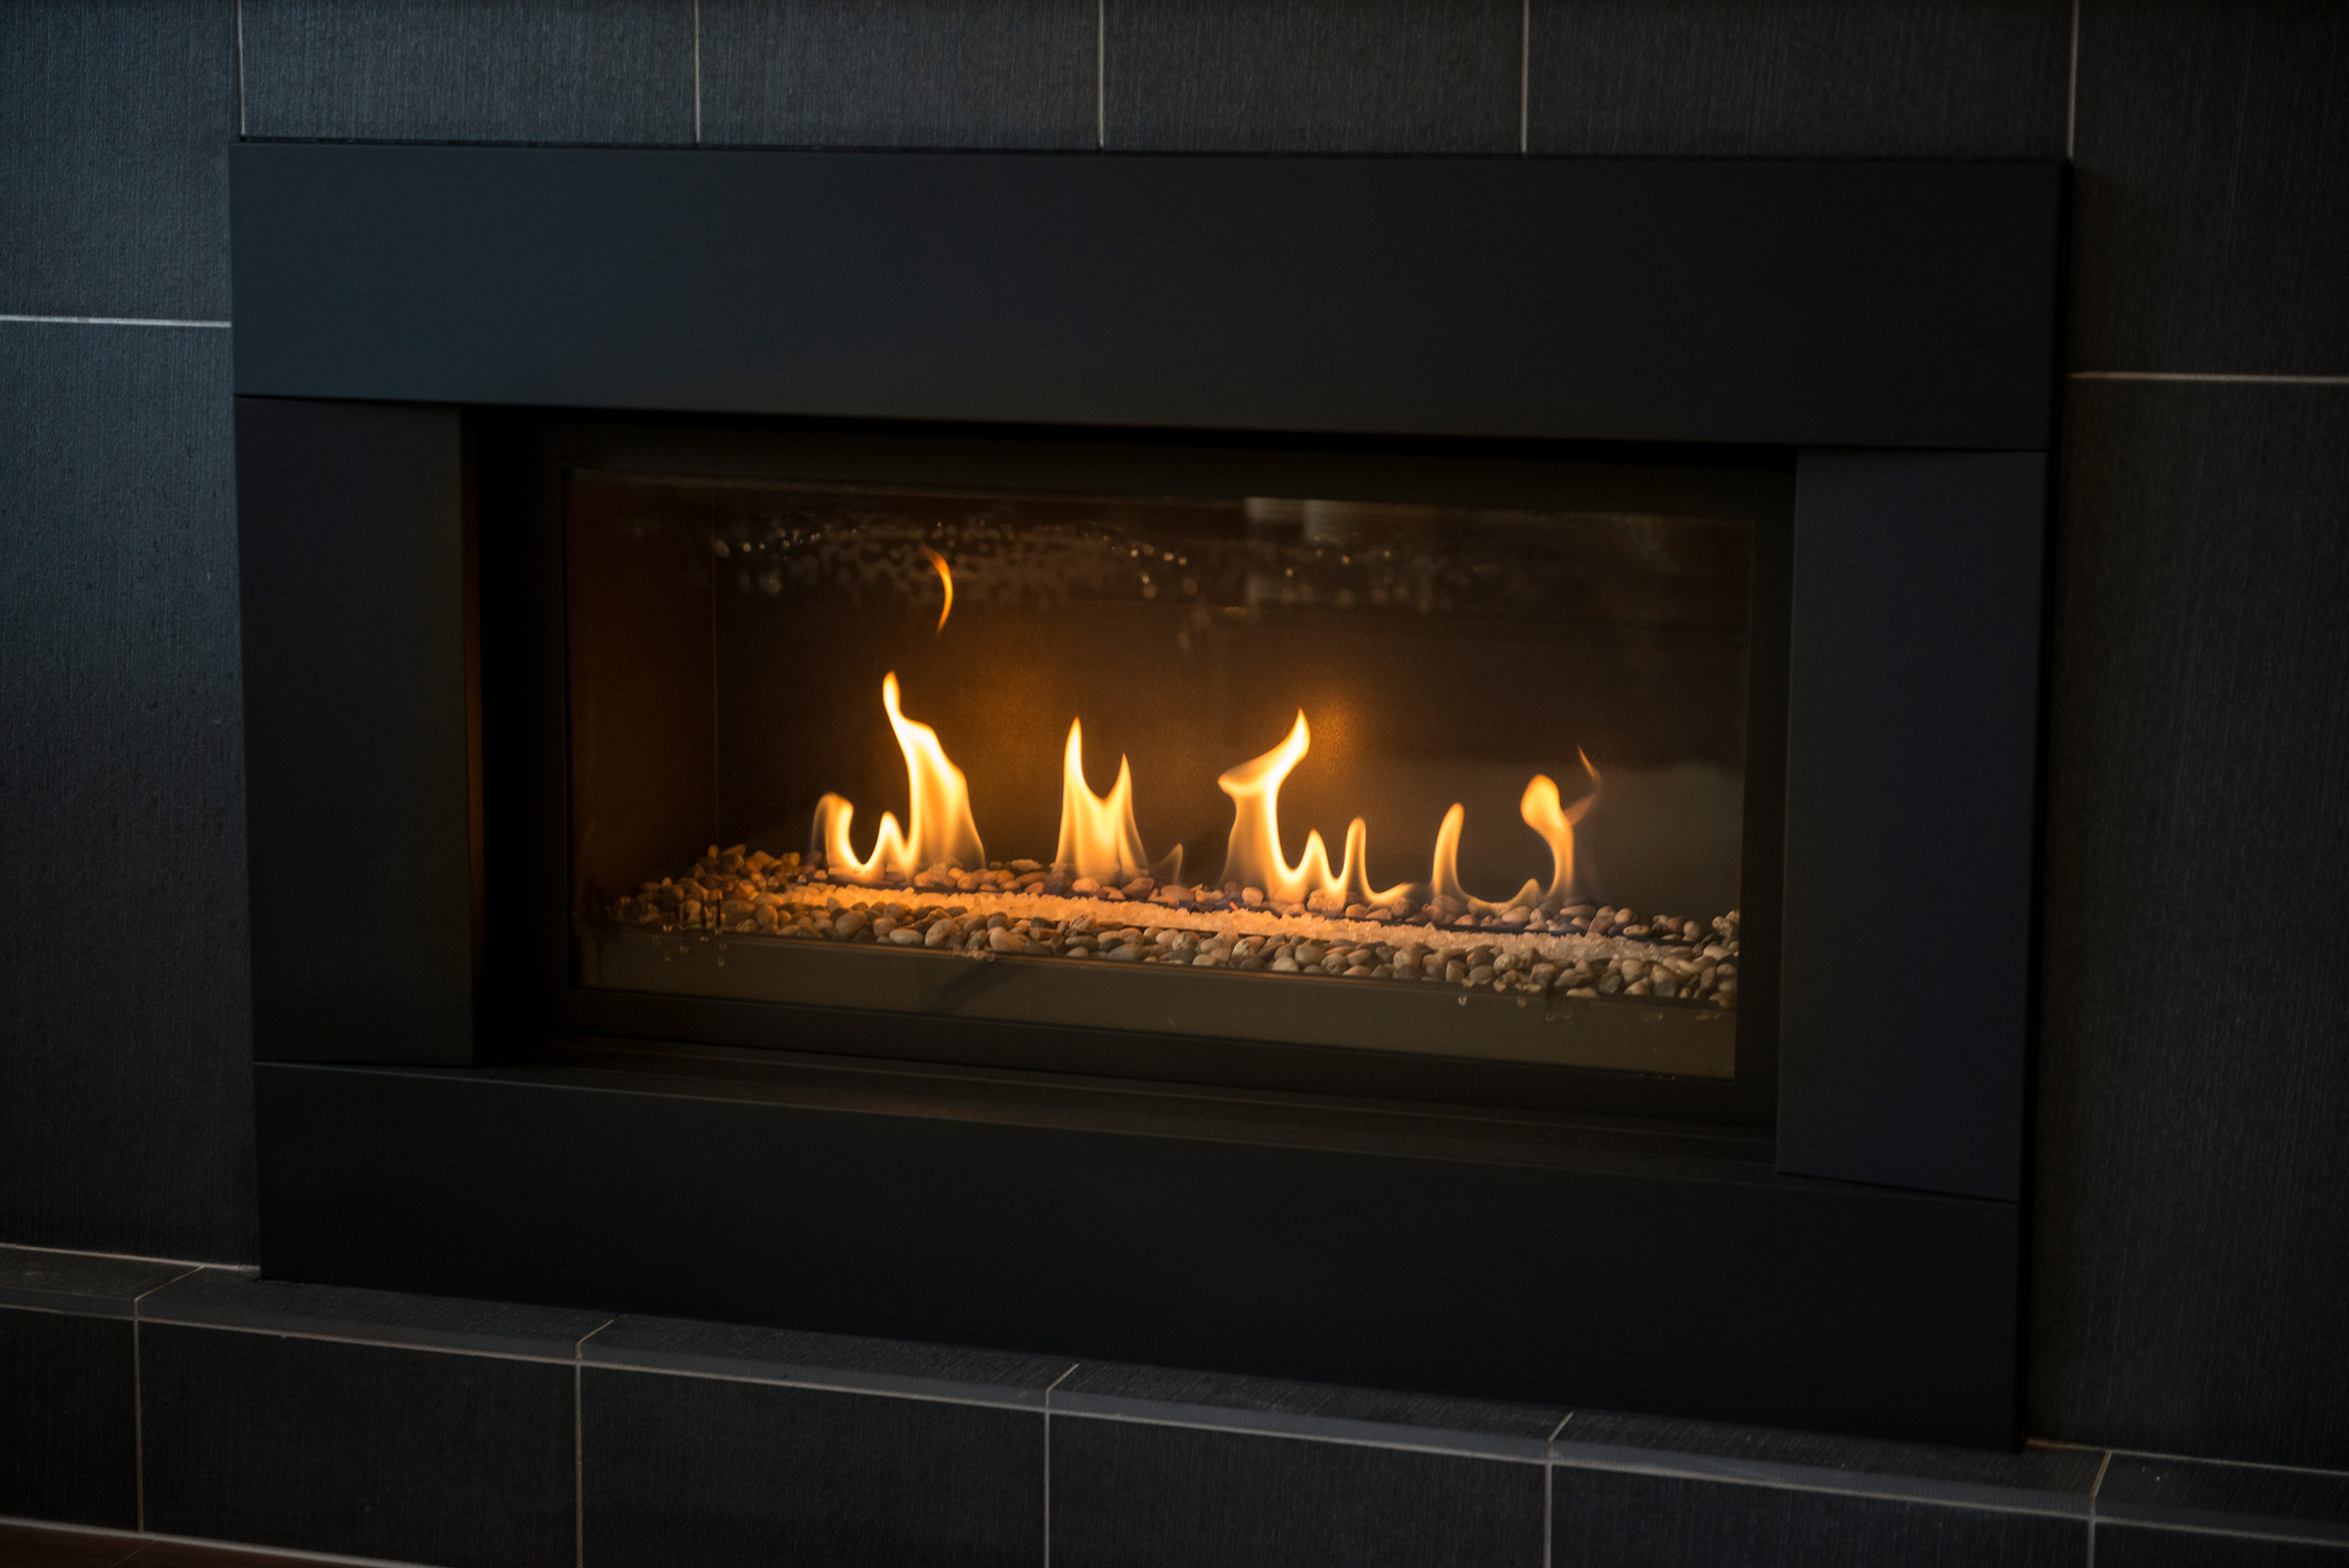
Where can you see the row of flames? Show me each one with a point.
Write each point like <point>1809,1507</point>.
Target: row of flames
<point>1099,838</point>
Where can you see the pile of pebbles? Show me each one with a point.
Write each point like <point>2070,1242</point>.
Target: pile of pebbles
<point>1020,908</point>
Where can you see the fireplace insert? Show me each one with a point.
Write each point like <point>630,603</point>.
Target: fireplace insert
<point>936,747</point>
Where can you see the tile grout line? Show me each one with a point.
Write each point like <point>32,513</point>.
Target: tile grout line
<point>139,1398</point>
<point>1549,1481</point>
<point>2235,1464</point>
<point>1524,73</point>
<point>1068,1372</point>
<point>2072,88</point>
<point>141,1540</point>
<point>2093,1488</point>
<point>108,321</point>
<point>240,68</point>
<point>1101,74</point>
<point>2212,376</point>
<point>696,70</point>
<point>579,1423</point>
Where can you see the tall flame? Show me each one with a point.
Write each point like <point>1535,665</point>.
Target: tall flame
<point>1098,836</point>
<point>1539,806</point>
<point>942,831</point>
<point>1254,858</point>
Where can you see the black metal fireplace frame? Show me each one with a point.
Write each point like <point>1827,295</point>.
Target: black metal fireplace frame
<point>407,317</point>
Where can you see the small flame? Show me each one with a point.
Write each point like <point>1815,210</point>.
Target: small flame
<point>1098,836</point>
<point>1253,858</point>
<point>946,575</point>
<point>942,831</point>
<point>1539,807</point>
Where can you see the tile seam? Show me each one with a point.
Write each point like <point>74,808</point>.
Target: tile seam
<point>579,1437</point>
<point>139,1396</point>
<point>814,1387</point>
<point>1549,1481</point>
<point>355,1339</point>
<point>1066,1373</point>
<point>1525,80</point>
<point>1881,1494</point>
<point>2231,1464</point>
<point>2336,1538</point>
<point>1246,1431</point>
<point>26,319</point>
<point>191,1264</point>
<point>1101,74</point>
<point>2096,1487</point>
<point>2072,88</point>
<point>2218,375</point>
<point>145,1537</point>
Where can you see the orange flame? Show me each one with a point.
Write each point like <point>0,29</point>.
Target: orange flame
<point>1098,837</point>
<point>946,575</point>
<point>1253,858</point>
<point>942,831</point>
<point>1539,806</point>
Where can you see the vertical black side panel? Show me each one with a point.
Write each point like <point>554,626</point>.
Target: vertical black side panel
<point>1911,776</point>
<point>359,788</point>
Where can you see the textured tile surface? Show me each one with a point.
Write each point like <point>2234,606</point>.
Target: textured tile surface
<point>2142,1546</point>
<point>941,1371</point>
<point>2252,1497</point>
<point>419,1456</point>
<point>69,1445</point>
<point>2211,217</point>
<point>717,1474</point>
<point>2191,1247</point>
<point>2049,1480</point>
<point>79,1281</point>
<point>961,73</point>
<point>1128,1493</point>
<point>113,173</point>
<point>126,1119</point>
<point>1799,79</point>
<point>1602,1519</point>
<point>1312,75</point>
<point>1313,1409</point>
<point>471,70</point>
<point>232,1298</point>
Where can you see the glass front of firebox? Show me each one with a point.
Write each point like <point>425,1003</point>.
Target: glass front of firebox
<point>1451,781</point>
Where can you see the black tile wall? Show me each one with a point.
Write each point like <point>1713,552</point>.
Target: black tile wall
<point>2139,1546</point>
<point>1799,79</point>
<point>1312,75</point>
<point>1126,1493</point>
<point>718,1472</point>
<point>2192,1249</point>
<point>2149,1489</point>
<point>68,1439</point>
<point>469,70</point>
<point>966,73</point>
<point>364,1449</point>
<point>2212,220</point>
<point>1610,1518</point>
<point>113,169</point>
<point>126,1120</point>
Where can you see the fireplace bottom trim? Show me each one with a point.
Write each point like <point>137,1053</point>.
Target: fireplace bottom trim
<point>1667,1281</point>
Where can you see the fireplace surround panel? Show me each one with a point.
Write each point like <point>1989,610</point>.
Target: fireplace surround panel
<point>1831,381</point>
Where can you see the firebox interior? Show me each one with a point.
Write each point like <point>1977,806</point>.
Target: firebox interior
<point>1342,770</point>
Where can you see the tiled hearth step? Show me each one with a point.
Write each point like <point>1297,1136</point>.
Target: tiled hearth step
<point>202,1404</point>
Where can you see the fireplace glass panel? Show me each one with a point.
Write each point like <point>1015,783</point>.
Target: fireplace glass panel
<point>1441,780</point>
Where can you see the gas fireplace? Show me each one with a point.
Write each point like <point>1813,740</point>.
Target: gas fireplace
<point>935,746</point>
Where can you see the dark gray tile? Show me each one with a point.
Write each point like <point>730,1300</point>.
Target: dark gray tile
<point>2189,1272</point>
<point>32,1546</point>
<point>1799,79</point>
<point>1127,1492</point>
<point>68,1438</point>
<point>1312,75</point>
<point>419,1456</point>
<point>2145,1546</point>
<point>952,73</point>
<point>126,1097</point>
<point>609,71</point>
<point>1307,1409</point>
<point>827,1360</point>
<point>113,178</point>
<point>79,1281</point>
<point>2256,1498</point>
<point>2038,1480</point>
<point>233,1298</point>
<point>717,1472</point>
<point>2210,225</point>
<point>1610,1518</point>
